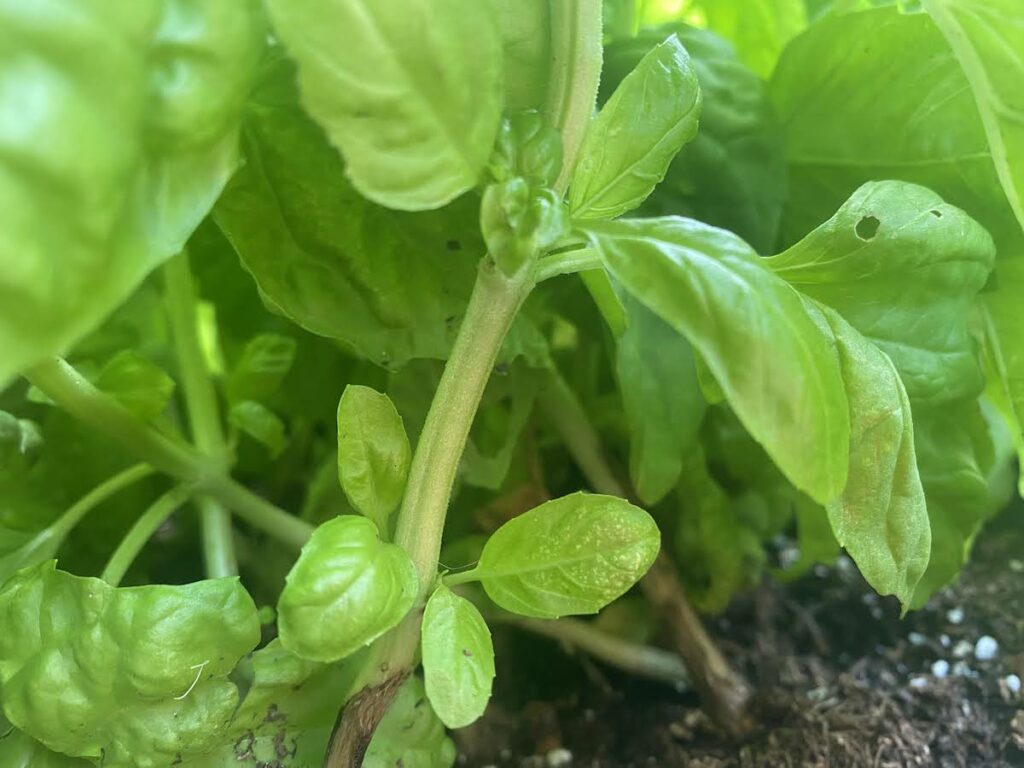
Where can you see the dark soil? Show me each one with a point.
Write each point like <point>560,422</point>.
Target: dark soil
<point>842,682</point>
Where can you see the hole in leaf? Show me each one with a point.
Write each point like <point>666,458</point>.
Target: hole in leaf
<point>867,227</point>
<point>936,214</point>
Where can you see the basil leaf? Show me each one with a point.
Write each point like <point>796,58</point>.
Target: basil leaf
<point>373,453</point>
<point>346,589</point>
<point>458,658</point>
<point>881,517</point>
<point>390,286</point>
<point>20,751</point>
<point>733,174</point>
<point>410,734</point>
<point>572,555</point>
<point>527,51</point>
<point>662,398</point>
<point>759,29</point>
<point>147,676</point>
<point>259,423</point>
<point>140,386</point>
<point>99,185</point>
<point>265,361</point>
<point>630,144</point>
<point>904,268</point>
<point>410,92</point>
<point>955,456</point>
<point>752,330</point>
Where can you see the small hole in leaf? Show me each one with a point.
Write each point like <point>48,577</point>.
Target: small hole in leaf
<point>867,227</point>
<point>936,214</point>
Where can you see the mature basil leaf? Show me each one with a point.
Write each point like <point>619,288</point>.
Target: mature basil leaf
<point>265,361</point>
<point>881,517</point>
<point>572,555</point>
<point>630,144</point>
<point>132,676</point>
<point>20,751</point>
<point>662,398</point>
<point>904,268</point>
<point>986,39</point>
<point>391,286</point>
<point>751,329</point>
<point>259,423</point>
<point>955,456</point>
<point>410,734</point>
<point>410,92</point>
<point>759,29</point>
<point>733,174</point>
<point>526,44</point>
<point>458,658</point>
<point>346,589</point>
<point>373,453</point>
<point>142,387</point>
<point>100,184</point>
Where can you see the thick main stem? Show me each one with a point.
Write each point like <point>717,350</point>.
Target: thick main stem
<point>724,693</point>
<point>203,412</point>
<point>492,307</point>
<point>76,395</point>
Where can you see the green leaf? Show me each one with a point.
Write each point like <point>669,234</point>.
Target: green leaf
<point>528,146</point>
<point>733,174</point>
<point>100,184</point>
<point>139,385</point>
<point>955,458</point>
<point>752,330</point>
<point>817,543</point>
<point>881,518</point>
<point>265,361</point>
<point>572,555</point>
<point>20,751</point>
<point>130,676</point>
<point>526,43</point>
<point>904,268</point>
<point>373,453</point>
<point>759,29</point>
<point>346,589</point>
<point>410,92</point>
<point>259,423</point>
<point>630,144</point>
<point>657,377</point>
<point>410,734</point>
<point>390,286</point>
<point>458,658</point>
<point>519,222</point>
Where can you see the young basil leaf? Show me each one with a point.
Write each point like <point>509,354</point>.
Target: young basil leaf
<point>346,589</point>
<point>264,363</point>
<point>751,329</point>
<point>373,453</point>
<point>572,555</point>
<point>662,398</point>
<point>103,184</point>
<point>881,518</point>
<point>147,678</point>
<point>410,734</point>
<point>630,144</point>
<point>904,268</point>
<point>519,222</point>
<point>955,456</point>
<point>528,146</point>
<point>259,423</point>
<point>410,92</point>
<point>733,174</point>
<point>458,658</point>
<point>139,385</point>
